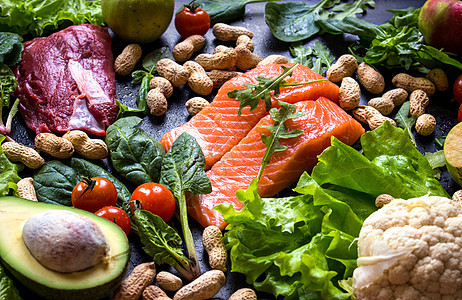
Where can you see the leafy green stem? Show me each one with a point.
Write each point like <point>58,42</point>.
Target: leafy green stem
<point>188,239</point>
<point>286,84</point>
<point>278,131</point>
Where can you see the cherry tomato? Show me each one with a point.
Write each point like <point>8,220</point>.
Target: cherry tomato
<point>93,194</point>
<point>116,215</point>
<point>156,198</point>
<point>457,89</point>
<point>192,20</point>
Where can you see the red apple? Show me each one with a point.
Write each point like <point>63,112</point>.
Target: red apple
<point>440,22</point>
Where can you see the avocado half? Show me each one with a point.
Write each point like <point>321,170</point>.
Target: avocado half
<point>93,283</point>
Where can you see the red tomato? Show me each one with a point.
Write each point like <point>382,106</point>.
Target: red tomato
<point>457,89</point>
<point>156,198</point>
<point>116,215</point>
<point>93,194</point>
<point>459,115</point>
<point>192,20</point>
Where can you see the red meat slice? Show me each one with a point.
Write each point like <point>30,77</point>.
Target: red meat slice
<point>66,81</point>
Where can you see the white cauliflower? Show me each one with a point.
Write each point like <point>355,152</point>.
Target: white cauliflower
<point>411,249</point>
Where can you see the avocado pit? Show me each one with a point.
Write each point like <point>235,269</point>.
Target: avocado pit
<point>65,241</point>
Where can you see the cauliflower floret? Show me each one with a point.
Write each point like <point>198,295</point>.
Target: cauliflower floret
<point>411,249</point>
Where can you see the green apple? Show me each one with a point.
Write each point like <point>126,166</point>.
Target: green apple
<point>440,22</point>
<point>140,21</point>
<point>453,152</point>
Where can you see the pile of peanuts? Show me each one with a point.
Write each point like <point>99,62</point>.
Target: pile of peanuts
<point>418,90</point>
<point>142,279</point>
<point>206,72</point>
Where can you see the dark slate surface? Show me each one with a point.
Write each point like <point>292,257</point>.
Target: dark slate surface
<point>440,106</point>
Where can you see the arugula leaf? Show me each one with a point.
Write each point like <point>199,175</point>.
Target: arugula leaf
<point>54,181</point>
<point>36,17</point>
<point>224,11</point>
<point>8,173</point>
<point>7,289</point>
<point>436,160</point>
<point>278,131</point>
<point>252,94</point>
<point>160,241</point>
<point>182,171</point>
<point>11,48</point>
<point>302,55</point>
<point>405,120</point>
<point>135,155</point>
<point>297,21</point>
<point>142,94</point>
<point>319,53</point>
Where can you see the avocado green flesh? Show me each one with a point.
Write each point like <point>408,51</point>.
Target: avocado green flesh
<point>98,281</point>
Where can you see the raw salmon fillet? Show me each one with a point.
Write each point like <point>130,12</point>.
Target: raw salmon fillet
<point>322,119</point>
<point>217,128</point>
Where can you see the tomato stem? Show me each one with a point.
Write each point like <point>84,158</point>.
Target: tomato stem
<point>90,185</point>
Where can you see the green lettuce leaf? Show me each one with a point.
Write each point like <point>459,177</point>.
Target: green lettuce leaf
<point>37,17</point>
<point>8,173</point>
<point>300,247</point>
<point>7,290</point>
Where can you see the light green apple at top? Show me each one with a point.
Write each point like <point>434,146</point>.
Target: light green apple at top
<point>140,21</point>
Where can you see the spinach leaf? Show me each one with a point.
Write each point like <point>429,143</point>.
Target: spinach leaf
<point>8,173</point>
<point>296,21</point>
<point>160,241</point>
<point>182,171</point>
<point>7,290</point>
<point>292,21</point>
<point>150,60</point>
<point>135,155</point>
<point>54,182</point>
<point>224,11</point>
<point>405,120</point>
<point>11,48</point>
<point>278,131</point>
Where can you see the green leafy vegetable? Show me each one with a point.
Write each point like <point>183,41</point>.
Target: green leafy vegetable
<point>8,85</point>
<point>36,17</point>
<point>55,180</point>
<point>299,247</point>
<point>8,173</point>
<point>134,154</point>
<point>150,60</point>
<point>436,160</point>
<point>252,94</point>
<point>297,21</point>
<point>161,241</point>
<point>11,48</point>
<point>7,290</point>
<point>224,11</point>
<point>405,120</point>
<point>182,171</point>
<point>278,131</point>
<point>126,111</point>
<point>319,53</point>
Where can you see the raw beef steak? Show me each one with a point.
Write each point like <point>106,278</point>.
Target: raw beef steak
<point>67,81</point>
